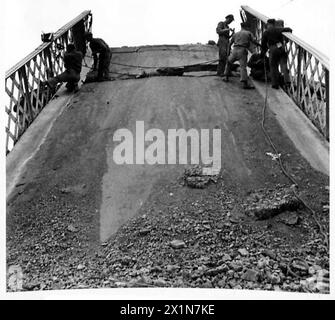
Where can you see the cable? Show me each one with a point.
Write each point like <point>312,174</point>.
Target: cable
<point>160,67</point>
<point>284,171</point>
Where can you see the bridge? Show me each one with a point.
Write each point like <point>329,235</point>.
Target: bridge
<point>76,219</point>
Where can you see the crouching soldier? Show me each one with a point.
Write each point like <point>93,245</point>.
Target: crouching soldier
<point>71,75</point>
<point>242,41</point>
<point>101,62</point>
<point>259,67</point>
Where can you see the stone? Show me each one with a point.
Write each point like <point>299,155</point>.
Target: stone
<point>236,267</point>
<point>275,278</point>
<point>291,219</point>
<point>243,252</point>
<point>81,267</point>
<point>301,266</point>
<point>263,262</point>
<point>177,244</point>
<point>226,258</point>
<point>72,228</point>
<point>216,271</point>
<point>144,232</point>
<point>171,268</point>
<point>250,275</point>
<point>269,253</point>
<point>222,283</point>
<point>313,269</point>
<point>160,282</point>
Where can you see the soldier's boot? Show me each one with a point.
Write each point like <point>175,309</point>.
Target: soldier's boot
<point>247,86</point>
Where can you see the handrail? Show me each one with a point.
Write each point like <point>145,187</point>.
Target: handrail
<point>25,97</point>
<point>43,46</point>
<point>308,71</point>
<point>319,55</point>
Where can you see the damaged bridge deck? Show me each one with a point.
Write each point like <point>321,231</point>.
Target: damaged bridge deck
<point>71,196</point>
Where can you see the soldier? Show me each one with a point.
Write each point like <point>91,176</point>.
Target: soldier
<point>273,41</point>
<point>71,75</point>
<point>242,41</point>
<point>223,31</point>
<point>99,46</point>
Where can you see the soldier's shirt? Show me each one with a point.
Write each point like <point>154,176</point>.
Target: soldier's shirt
<point>273,37</point>
<point>222,30</point>
<point>243,38</point>
<point>73,60</point>
<point>98,45</point>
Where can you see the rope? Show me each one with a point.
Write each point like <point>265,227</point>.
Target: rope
<point>284,171</point>
<point>159,67</point>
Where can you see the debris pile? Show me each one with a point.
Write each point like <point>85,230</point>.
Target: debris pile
<point>196,177</point>
<point>266,204</point>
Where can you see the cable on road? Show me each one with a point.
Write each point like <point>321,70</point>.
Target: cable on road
<point>284,171</point>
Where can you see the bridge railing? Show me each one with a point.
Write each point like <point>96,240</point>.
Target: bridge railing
<point>309,72</point>
<point>25,97</point>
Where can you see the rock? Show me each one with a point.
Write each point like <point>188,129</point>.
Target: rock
<point>120,284</point>
<point>222,283</point>
<point>15,278</point>
<point>216,271</point>
<point>275,278</point>
<point>172,268</point>
<point>177,244</point>
<point>160,282</point>
<point>250,275</point>
<point>156,269</point>
<point>31,285</point>
<point>72,228</point>
<point>238,287</point>
<point>243,252</point>
<point>230,273</point>
<point>236,267</point>
<point>269,253</point>
<point>207,285</point>
<point>263,262</point>
<point>226,258</point>
<point>301,266</point>
<point>144,232</point>
<point>291,219</point>
<point>80,267</point>
<point>313,269</point>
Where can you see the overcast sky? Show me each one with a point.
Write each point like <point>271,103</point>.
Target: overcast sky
<point>139,22</point>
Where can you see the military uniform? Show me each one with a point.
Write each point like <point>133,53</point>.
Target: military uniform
<point>242,41</point>
<point>272,40</point>
<point>71,75</point>
<point>223,31</point>
<point>99,46</point>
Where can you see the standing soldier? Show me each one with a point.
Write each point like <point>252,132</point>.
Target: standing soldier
<point>242,41</point>
<point>273,41</point>
<point>99,46</point>
<point>223,31</point>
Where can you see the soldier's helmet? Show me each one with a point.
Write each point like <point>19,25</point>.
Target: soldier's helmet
<point>230,17</point>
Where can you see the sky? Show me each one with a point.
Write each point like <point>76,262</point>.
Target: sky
<point>140,22</point>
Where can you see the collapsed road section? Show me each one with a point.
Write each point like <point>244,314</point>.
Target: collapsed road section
<point>76,219</point>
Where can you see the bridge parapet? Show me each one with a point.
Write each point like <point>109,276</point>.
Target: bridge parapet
<point>309,72</point>
<point>25,99</point>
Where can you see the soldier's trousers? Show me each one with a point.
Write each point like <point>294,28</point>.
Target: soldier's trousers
<point>278,56</point>
<point>70,76</point>
<point>104,62</point>
<point>223,51</point>
<point>239,54</point>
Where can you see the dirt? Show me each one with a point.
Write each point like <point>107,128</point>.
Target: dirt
<point>77,220</point>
